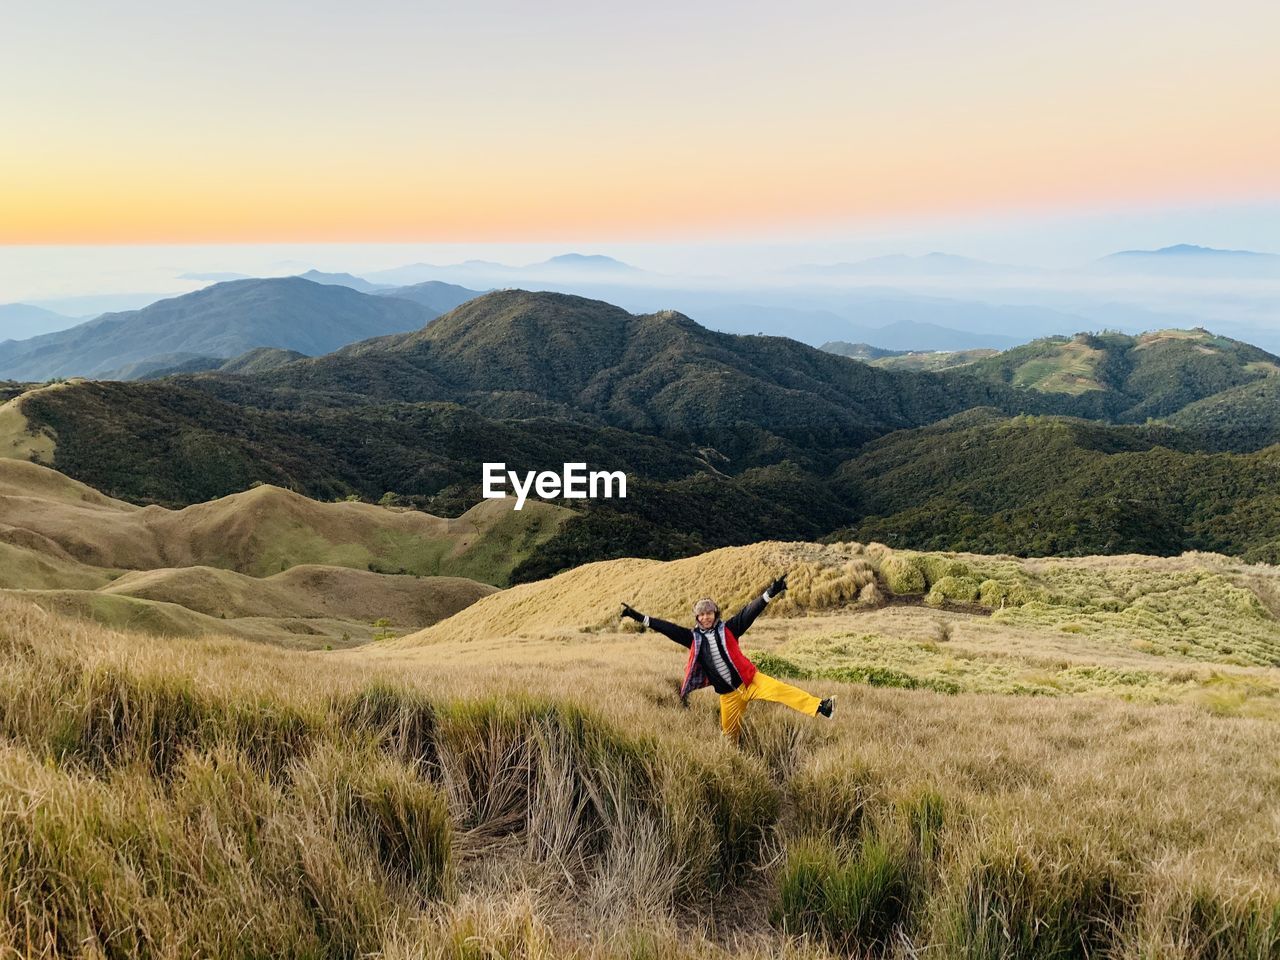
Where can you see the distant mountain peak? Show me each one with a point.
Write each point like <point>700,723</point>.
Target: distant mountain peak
<point>342,280</point>
<point>595,261</point>
<point>222,320</point>
<point>1187,250</point>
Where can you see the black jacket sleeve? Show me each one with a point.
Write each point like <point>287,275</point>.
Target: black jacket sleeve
<point>673,631</point>
<point>739,622</point>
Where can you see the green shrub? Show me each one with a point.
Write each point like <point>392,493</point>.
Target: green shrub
<point>903,575</point>
<point>953,588</point>
<point>937,567</point>
<point>994,593</point>
<point>775,666</point>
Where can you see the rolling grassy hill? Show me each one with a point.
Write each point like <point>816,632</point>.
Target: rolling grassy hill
<point>1130,379</point>
<point>265,564</point>
<point>266,530</point>
<point>1164,615</point>
<point>303,591</point>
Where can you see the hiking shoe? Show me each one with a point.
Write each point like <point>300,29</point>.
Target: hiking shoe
<point>827,707</point>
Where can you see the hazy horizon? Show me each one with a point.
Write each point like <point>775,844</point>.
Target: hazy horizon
<point>1045,241</point>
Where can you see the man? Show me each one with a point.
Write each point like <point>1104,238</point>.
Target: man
<point>716,660</point>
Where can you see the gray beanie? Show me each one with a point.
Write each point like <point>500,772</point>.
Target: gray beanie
<point>706,605</point>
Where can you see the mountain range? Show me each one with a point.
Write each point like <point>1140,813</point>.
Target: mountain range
<point>565,266</point>
<point>938,301</point>
<point>1186,259</point>
<point>518,353</point>
<point>710,425</point>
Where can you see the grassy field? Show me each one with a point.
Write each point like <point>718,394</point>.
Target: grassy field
<point>539,791</point>
<point>933,360</point>
<point>1070,369</point>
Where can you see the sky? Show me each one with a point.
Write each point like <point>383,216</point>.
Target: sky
<point>660,124</point>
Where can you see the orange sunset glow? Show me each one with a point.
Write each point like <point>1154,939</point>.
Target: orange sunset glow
<point>736,118</point>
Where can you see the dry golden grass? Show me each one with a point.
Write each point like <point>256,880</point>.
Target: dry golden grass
<point>213,798</point>
<point>24,568</point>
<point>305,591</point>
<point>17,439</point>
<point>520,780</point>
<point>1198,629</point>
<point>589,597</point>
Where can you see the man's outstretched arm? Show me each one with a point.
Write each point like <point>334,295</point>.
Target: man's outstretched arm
<point>741,620</point>
<point>673,631</point>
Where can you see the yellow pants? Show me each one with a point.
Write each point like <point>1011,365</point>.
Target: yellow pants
<point>734,705</point>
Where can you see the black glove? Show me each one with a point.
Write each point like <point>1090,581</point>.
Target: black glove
<point>777,587</point>
<point>628,612</point>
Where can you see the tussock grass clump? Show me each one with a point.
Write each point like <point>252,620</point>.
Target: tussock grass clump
<point>226,865</point>
<point>1012,903</point>
<point>781,739</point>
<point>829,800</point>
<point>994,582</point>
<point>381,803</point>
<point>400,720</point>
<point>958,589</point>
<point>902,574</point>
<point>827,584</point>
<point>110,718</point>
<point>550,771</point>
<point>853,903</point>
<point>860,892</point>
<point>724,808</point>
<point>1207,924</point>
<point>938,566</point>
